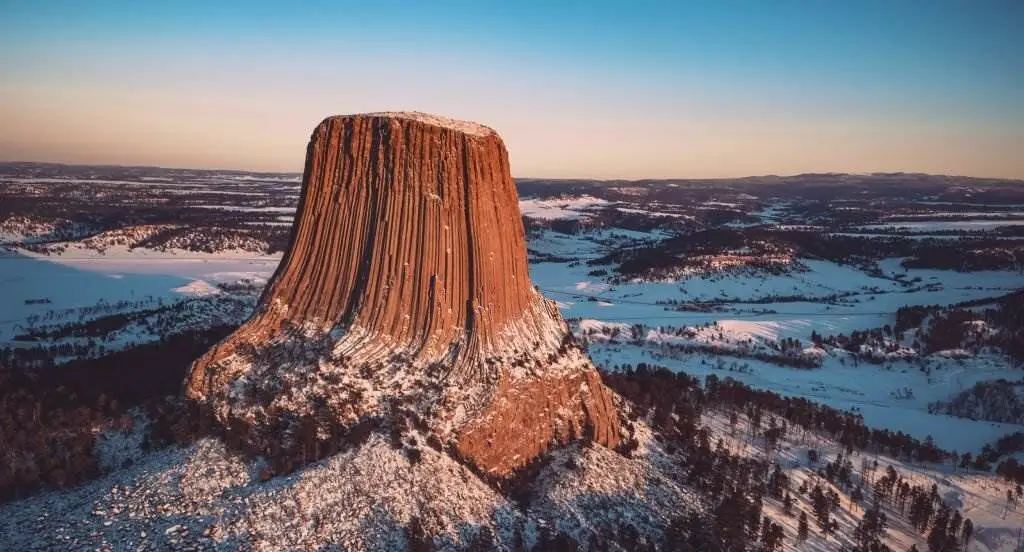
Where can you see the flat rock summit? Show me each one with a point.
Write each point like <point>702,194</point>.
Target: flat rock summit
<point>405,294</point>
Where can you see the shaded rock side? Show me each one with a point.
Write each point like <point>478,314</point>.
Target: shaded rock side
<point>406,283</point>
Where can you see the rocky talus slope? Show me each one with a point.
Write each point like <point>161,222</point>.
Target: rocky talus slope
<point>405,291</point>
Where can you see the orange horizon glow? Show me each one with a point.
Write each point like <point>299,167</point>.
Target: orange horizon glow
<point>242,91</point>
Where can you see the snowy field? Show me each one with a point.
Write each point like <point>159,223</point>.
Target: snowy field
<point>944,225</point>
<point>80,279</point>
<point>85,279</point>
<point>840,299</point>
<point>107,242</point>
<point>551,209</point>
<point>833,298</point>
<point>870,301</point>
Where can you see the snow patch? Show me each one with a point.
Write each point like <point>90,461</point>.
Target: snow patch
<point>560,208</point>
<point>197,288</point>
<point>468,127</point>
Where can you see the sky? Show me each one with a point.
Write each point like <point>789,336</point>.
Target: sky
<point>589,89</point>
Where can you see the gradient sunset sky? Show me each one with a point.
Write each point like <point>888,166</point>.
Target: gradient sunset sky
<point>578,89</point>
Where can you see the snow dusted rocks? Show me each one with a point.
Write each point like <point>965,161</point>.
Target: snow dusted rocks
<point>204,497</point>
<point>406,290</point>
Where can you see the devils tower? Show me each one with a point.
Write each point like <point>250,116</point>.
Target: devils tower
<point>406,289</point>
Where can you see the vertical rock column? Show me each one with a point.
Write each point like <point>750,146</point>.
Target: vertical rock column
<point>408,240</point>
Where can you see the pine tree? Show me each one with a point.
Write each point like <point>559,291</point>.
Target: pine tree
<point>771,536</point>
<point>967,532</point>
<point>856,496</point>
<point>938,538</point>
<point>871,528</point>
<point>803,531</point>
<point>822,507</point>
<point>953,529</point>
<point>730,521</point>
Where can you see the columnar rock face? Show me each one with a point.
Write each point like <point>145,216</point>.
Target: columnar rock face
<point>406,286</point>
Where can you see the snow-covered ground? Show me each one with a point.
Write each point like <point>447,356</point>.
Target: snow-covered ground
<point>361,498</point>
<point>944,225</point>
<point>838,299</point>
<point>868,301</point>
<point>868,389</point>
<point>241,209</point>
<point>978,497</point>
<point>843,299</point>
<point>36,284</point>
<point>560,208</point>
<point>204,496</point>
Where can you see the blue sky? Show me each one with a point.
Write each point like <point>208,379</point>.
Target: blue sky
<point>591,89</point>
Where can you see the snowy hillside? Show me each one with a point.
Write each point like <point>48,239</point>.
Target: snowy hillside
<point>384,494</point>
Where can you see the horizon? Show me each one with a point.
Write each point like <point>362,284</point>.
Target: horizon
<point>656,91</point>
<point>547,178</point>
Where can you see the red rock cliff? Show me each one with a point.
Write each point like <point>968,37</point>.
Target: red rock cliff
<point>407,282</point>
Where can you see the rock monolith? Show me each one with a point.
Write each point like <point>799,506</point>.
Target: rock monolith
<point>406,288</point>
